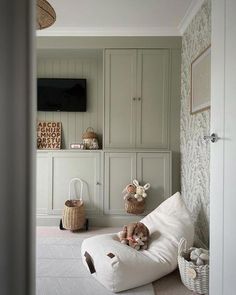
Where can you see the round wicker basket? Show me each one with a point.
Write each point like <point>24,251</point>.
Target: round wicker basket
<point>195,278</point>
<point>46,15</point>
<point>73,215</point>
<point>133,206</point>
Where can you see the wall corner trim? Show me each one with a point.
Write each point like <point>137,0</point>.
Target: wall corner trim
<point>189,15</point>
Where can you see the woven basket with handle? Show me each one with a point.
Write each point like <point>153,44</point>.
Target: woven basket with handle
<point>89,134</point>
<point>194,277</point>
<point>74,212</point>
<point>133,206</point>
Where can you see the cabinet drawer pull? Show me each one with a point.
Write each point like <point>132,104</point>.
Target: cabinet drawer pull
<point>139,99</point>
<point>134,98</point>
<point>98,183</point>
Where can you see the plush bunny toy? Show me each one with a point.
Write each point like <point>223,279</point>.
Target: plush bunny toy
<point>135,235</point>
<point>129,191</point>
<point>140,190</point>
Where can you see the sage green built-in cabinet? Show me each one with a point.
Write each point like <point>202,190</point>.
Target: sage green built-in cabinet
<point>133,103</point>
<point>43,183</point>
<point>122,167</point>
<point>136,98</point>
<point>54,172</point>
<point>85,166</point>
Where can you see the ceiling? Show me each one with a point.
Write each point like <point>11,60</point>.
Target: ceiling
<point>121,17</point>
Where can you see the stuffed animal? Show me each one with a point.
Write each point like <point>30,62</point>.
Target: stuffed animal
<point>129,191</point>
<point>135,235</point>
<point>123,235</point>
<point>199,256</point>
<point>140,190</point>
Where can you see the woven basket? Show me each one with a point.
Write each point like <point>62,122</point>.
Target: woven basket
<point>89,133</point>
<point>195,278</point>
<point>46,15</point>
<point>133,206</point>
<point>90,139</point>
<point>74,212</point>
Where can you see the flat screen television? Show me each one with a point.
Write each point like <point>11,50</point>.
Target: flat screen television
<point>65,95</point>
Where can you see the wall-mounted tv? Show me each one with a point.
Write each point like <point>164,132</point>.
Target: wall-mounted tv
<point>65,95</point>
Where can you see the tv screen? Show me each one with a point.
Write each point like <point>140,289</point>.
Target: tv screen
<point>65,95</point>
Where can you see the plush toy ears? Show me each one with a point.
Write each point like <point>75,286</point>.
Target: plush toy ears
<point>135,182</point>
<point>125,189</point>
<point>147,186</point>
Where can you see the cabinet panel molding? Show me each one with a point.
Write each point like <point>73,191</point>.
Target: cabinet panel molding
<point>43,183</point>
<point>155,168</point>
<point>153,98</point>
<point>54,171</point>
<point>120,169</point>
<point>120,92</point>
<point>82,165</point>
<point>136,98</point>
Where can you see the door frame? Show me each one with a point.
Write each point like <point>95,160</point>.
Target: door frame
<point>217,149</point>
<point>18,147</point>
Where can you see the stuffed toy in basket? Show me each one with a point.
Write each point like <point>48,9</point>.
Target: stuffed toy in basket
<point>74,212</point>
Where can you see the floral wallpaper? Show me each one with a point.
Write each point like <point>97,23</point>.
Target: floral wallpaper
<point>195,152</point>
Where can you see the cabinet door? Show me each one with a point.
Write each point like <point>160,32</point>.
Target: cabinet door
<point>155,168</point>
<point>120,169</point>
<point>120,92</point>
<point>43,183</point>
<point>82,165</point>
<point>153,98</point>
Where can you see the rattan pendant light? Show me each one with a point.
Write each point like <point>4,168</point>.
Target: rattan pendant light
<point>46,15</point>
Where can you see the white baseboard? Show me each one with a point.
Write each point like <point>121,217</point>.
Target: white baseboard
<point>102,220</point>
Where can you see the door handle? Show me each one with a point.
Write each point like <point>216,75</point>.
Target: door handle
<point>213,137</point>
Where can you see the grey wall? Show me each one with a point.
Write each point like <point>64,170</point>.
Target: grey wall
<point>87,64</point>
<point>195,153</point>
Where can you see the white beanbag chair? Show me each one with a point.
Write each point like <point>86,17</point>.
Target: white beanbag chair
<point>119,267</point>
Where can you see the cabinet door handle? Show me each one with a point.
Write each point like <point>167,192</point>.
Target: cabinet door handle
<point>139,99</point>
<point>134,98</point>
<point>98,183</point>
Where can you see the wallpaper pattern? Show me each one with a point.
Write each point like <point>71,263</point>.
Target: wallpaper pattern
<point>195,152</point>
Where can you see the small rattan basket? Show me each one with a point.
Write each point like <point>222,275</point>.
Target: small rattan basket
<point>90,140</point>
<point>89,134</point>
<point>74,212</point>
<point>194,277</point>
<point>132,206</point>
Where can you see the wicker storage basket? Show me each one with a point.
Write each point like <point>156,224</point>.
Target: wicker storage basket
<point>90,140</point>
<point>46,15</point>
<point>195,278</point>
<point>74,212</point>
<point>133,206</point>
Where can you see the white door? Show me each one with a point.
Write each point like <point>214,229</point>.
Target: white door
<point>223,152</point>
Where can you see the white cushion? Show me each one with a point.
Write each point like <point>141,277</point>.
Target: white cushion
<point>130,268</point>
